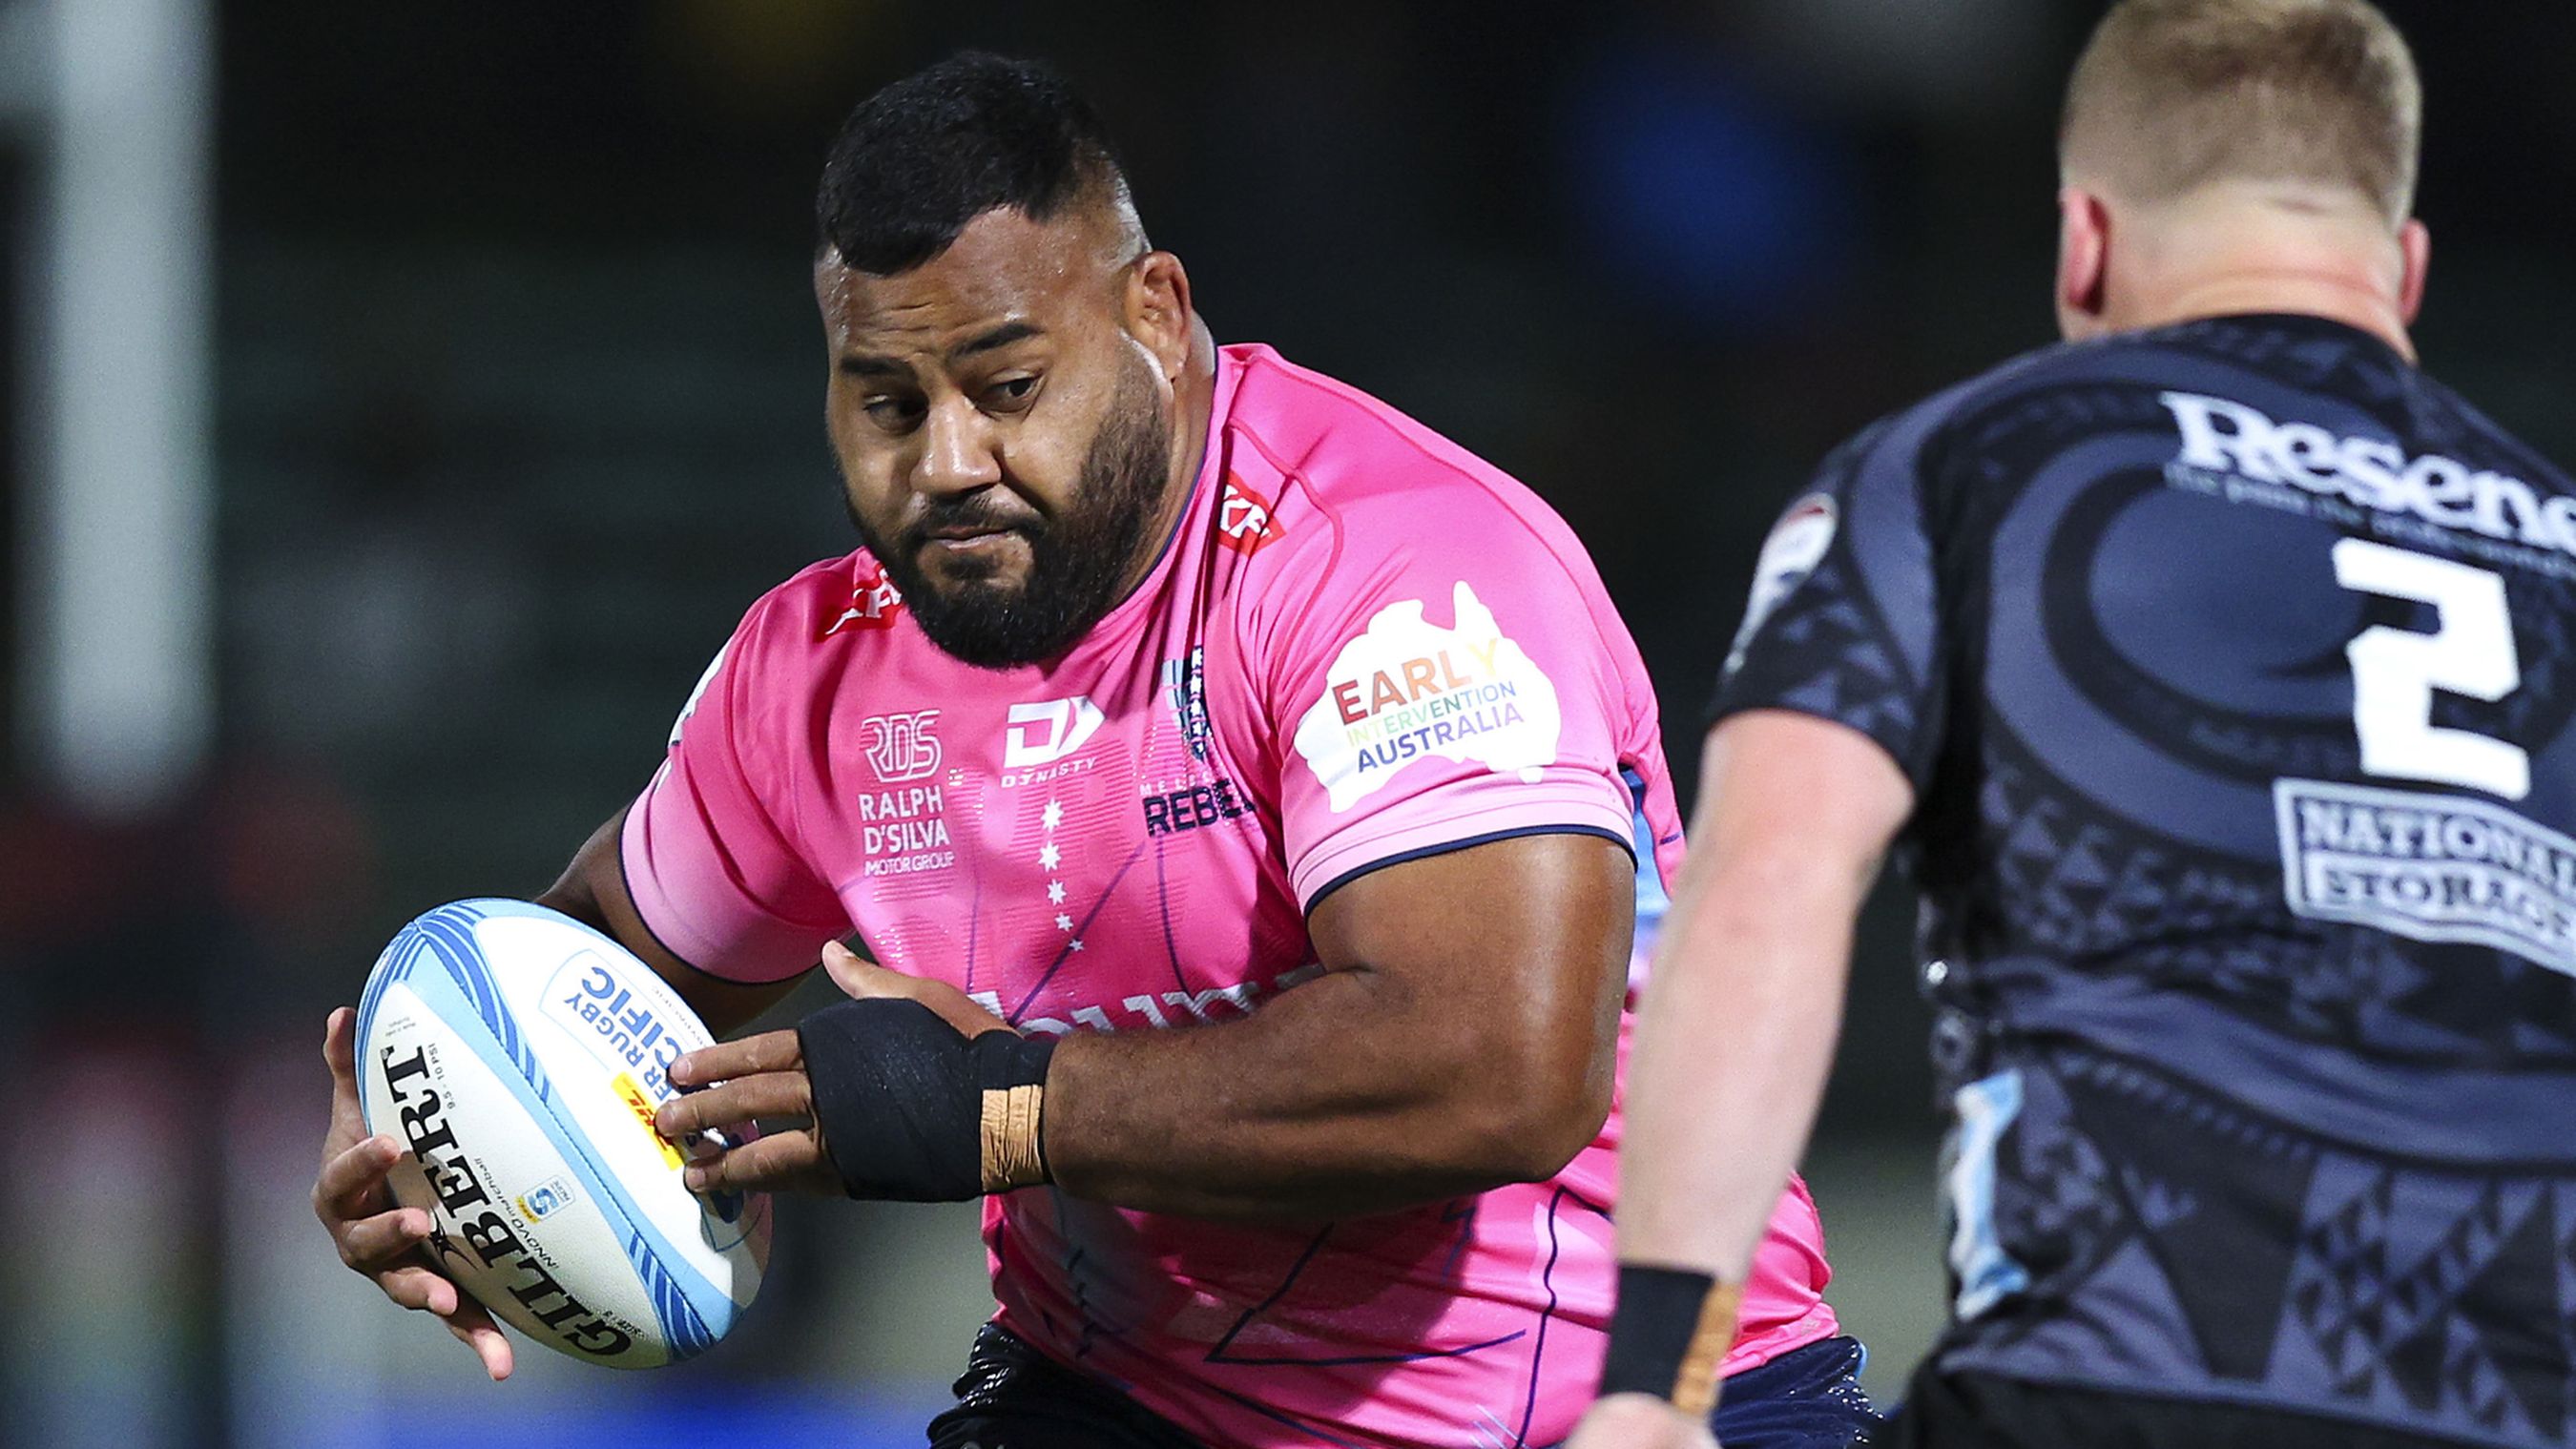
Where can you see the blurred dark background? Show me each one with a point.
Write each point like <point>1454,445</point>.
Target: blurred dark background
<point>506,403</point>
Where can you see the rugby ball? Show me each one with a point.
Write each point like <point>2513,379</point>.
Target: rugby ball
<point>519,1055</point>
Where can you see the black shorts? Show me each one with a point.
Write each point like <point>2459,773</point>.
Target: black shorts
<point>1980,1411</point>
<point>1013,1397</point>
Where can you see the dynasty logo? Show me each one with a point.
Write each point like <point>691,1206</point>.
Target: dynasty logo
<point>695,694</point>
<point>1041,740</point>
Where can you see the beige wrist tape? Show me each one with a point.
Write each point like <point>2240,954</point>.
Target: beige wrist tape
<point>1695,1385</point>
<point>1011,1155</point>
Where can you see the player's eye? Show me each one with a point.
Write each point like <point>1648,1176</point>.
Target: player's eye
<point>1011,394</point>
<point>894,414</point>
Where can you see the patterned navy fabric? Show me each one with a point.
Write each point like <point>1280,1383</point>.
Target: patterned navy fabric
<point>2234,667</point>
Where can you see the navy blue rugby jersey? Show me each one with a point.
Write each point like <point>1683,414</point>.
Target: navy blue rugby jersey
<point>2233,665</point>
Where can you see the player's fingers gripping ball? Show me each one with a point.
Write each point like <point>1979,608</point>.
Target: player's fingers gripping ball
<point>725,1090</point>
<point>914,1094</point>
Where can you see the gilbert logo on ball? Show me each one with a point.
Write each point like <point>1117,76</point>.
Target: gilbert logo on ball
<point>519,1056</point>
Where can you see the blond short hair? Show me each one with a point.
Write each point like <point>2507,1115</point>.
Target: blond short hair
<point>2172,95</point>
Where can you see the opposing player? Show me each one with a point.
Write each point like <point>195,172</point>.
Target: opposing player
<point>1250,798</point>
<point>2216,671</point>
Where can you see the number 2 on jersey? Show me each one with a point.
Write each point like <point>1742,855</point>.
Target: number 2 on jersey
<point>2395,671</point>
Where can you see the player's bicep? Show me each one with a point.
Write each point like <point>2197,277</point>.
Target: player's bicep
<point>593,890</point>
<point>1795,811</point>
<point>1539,914</point>
<point>1510,961</point>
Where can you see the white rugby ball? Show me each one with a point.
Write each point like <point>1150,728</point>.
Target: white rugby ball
<point>520,1055</point>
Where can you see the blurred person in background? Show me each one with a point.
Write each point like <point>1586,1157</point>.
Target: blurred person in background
<point>1246,800</point>
<point>2216,673</point>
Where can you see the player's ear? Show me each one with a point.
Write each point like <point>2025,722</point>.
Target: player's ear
<point>2415,243</point>
<point>2083,261</point>
<point>1158,310</point>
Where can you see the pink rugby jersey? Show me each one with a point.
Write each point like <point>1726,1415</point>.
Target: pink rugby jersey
<point>1362,646</point>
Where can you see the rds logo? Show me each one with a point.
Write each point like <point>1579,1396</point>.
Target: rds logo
<point>901,747</point>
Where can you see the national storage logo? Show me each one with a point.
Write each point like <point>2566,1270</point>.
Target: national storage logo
<point>1407,690</point>
<point>2428,867</point>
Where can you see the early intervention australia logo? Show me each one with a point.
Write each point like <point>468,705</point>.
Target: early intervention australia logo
<point>1407,689</point>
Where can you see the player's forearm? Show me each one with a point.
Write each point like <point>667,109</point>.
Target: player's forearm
<point>1341,1097</point>
<point>1735,1041</point>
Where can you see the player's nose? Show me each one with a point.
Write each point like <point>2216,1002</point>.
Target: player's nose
<point>959,453</point>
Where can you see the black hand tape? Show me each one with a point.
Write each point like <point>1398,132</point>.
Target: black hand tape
<point>898,1094</point>
<point>1670,1331</point>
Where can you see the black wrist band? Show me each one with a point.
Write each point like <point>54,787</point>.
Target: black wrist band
<point>1670,1332</point>
<point>904,1100</point>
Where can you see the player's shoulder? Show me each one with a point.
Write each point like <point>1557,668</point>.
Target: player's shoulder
<point>2440,417</point>
<point>2057,381</point>
<point>1322,474</point>
<point>1894,444</point>
<point>2029,376</point>
<point>2278,353</point>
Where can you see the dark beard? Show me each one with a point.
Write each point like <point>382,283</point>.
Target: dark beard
<point>1076,560</point>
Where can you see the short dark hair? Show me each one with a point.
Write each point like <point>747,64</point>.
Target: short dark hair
<point>931,152</point>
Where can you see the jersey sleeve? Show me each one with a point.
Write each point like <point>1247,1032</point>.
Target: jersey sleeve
<point>1845,623</point>
<point>1445,685</point>
<point>715,873</point>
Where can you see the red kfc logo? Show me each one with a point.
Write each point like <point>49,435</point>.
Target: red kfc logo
<point>1243,521</point>
<point>874,604</point>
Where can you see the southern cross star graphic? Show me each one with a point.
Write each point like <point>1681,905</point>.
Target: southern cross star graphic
<point>1055,892</point>
<point>1063,922</point>
<point>1076,943</point>
<point>1054,814</point>
<point>1048,855</point>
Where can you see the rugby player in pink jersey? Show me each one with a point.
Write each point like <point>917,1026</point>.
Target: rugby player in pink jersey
<point>1246,802</point>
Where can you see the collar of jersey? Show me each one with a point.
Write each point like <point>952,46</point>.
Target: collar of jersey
<point>2311,322</point>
